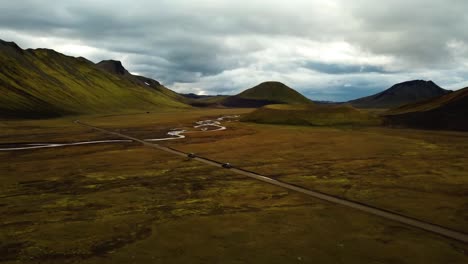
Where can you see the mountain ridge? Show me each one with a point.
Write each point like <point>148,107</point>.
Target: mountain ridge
<point>401,94</point>
<point>42,83</point>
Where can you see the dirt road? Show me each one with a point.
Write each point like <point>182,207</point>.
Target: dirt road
<point>446,232</point>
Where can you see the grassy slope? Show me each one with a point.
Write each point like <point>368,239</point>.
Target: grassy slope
<point>116,68</point>
<point>316,115</point>
<point>266,93</point>
<point>445,112</point>
<point>431,104</point>
<point>42,83</point>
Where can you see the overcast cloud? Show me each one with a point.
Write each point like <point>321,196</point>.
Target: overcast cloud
<point>326,49</point>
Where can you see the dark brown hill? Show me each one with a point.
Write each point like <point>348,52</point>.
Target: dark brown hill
<point>447,112</point>
<point>401,94</point>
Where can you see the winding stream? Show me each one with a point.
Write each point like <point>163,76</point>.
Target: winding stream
<point>174,134</point>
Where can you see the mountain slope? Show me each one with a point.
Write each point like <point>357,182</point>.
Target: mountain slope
<point>449,111</point>
<point>44,83</point>
<point>264,94</point>
<point>116,68</point>
<point>400,94</point>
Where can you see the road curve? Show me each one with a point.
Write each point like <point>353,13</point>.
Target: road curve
<point>440,230</point>
<point>174,134</point>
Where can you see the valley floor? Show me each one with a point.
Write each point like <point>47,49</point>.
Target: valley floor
<point>124,203</point>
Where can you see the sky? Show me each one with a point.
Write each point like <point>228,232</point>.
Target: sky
<point>332,50</point>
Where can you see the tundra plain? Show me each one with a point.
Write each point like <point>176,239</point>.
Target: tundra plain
<point>125,203</point>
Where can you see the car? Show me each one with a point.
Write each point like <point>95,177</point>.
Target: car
<point>191,155</point>
<point>227,165</point>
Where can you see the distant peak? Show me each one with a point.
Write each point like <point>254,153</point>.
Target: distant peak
<point>416,82</point>
<point>112,62</point>
<point>415,85</point>
<point>10,44</point>
<point>112,66</point>
<point>273,83</point>
<point>401,93</point>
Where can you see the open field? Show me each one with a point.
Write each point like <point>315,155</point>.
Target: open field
<point>124,203</point>
<point>418,173</point>
<point>414,172</point>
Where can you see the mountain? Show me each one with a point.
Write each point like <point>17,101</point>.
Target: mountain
<point>37,83</point>
<point>264,94</point>
<point>113,67</point>
<point>116,68</point>
<point>447,112</point>
<point>400,94</point>
<point>311,114</point>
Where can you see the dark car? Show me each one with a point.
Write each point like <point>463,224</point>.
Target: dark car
<point>227,165</point>
<point>191,155</point>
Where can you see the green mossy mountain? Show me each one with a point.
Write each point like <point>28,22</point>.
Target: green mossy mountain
<point>116,68</point>
<point>401,94</point>
<point>264,94</point>
<point>41,83</point>
<point>447,112</point>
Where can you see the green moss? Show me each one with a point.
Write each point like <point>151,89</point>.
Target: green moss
<point>314,115</point>
<point>45,83</point>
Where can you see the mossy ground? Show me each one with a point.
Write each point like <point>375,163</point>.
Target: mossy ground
<point>414,172</point>
<point>130,204</point>
<point>313,115</point>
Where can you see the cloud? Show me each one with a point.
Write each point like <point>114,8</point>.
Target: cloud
<point>416,31</point>
<point>335,68</point>
<point>208,46</point>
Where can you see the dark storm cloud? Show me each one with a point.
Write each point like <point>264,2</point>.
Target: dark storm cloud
<point>176,39</point>
<point>225,46</point>
<point>416,30</point>
<point>335,68</point>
